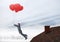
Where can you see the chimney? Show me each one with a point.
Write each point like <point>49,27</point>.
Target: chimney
<point>47,29</point>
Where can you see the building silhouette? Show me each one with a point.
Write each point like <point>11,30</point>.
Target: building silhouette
<point>49,35</point>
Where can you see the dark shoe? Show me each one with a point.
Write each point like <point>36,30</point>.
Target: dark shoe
<point>25,36</point>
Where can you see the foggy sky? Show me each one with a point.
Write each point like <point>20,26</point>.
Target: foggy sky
<point>44,12</point>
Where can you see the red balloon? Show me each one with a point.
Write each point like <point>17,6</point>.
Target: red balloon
<point>16,7</point>
<point>21,8</point>
<point>12,7</point>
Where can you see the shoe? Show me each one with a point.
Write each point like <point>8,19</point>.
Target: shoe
<point>25,36</point>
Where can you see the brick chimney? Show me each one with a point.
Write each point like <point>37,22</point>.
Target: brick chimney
<point>47,29</point>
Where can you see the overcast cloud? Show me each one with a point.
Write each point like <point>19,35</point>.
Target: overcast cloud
<point>43,12</point>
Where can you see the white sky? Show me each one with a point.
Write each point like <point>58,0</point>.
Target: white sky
<point>34,10</point>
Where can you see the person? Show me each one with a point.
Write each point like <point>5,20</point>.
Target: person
<point>20,31</point>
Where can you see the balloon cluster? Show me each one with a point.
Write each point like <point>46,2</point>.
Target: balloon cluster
<point>16,7</point>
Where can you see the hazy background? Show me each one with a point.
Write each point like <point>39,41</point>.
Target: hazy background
<point>35,15</point>
<point>35,12</point>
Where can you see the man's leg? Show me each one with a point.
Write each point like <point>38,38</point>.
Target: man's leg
<point>20,31</point>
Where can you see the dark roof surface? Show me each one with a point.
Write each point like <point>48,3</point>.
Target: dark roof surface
<point>53,36</point>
